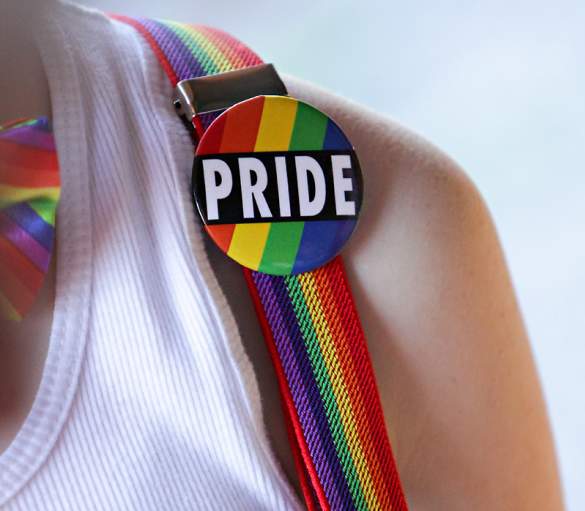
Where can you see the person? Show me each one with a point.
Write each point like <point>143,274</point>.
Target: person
<point>139,380</point>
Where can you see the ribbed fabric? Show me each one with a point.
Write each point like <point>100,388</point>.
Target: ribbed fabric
<point>148,401</point>
<point>310,323</point>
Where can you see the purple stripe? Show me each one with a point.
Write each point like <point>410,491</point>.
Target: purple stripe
<point>177,53</point>
<point>297,380</point>
<point>35,136</point>
<point>31,248</point>
<point>301,382</point>
<point>29,220</point>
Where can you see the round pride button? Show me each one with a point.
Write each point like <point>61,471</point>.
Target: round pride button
<point>277,184</point>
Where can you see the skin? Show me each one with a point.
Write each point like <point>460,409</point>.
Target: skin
<point>456,376</point>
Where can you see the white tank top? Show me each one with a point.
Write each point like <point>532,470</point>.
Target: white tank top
<point>148,400</point>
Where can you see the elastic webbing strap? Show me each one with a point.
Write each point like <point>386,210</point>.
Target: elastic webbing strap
<point>312,329</point>
<point>322,361</point>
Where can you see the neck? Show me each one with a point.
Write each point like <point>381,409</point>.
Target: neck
<point>24,90</point>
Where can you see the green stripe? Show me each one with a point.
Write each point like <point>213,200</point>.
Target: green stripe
<point>309,129</point>
<point>323,380</point>
<point>281,248</point>
<point>308,134</point>
<point>201,53</point>
<point>45,208</point>
<point>29,122</point>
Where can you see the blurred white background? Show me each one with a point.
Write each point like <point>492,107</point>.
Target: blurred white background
<point>498,85</point>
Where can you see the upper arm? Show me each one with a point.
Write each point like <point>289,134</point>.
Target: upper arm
<point>452,359</point>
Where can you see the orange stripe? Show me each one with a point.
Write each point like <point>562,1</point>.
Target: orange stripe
<point>360,357</point>
<point>351,381</point>
<point>241,127</point>
<point>221,234</point>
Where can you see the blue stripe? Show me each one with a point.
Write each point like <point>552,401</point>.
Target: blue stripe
<point>334,138</point>
<point>321,241</point>
<point>28,219</point>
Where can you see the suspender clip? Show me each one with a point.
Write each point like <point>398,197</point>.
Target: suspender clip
<point>220,91</point>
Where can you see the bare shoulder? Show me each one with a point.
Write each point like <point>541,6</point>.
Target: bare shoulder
<point>453,362</point>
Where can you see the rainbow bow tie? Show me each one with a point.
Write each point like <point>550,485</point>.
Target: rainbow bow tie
<point>29,194</point>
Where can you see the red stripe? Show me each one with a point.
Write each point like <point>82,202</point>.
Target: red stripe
<point>285,393</point>
<point>199,129</point>
<point>21,177</point>
<point>222,234</point>
<point>241,127</point>
<point>170,72</point>
<point>327,286</point>
<point>343,302</point>
<point>27,166</point>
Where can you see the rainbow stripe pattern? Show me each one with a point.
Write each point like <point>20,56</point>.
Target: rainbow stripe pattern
<point>29,194</point>
<point>277,123</point>
<point>188,51</point>
<point>321,356</point>
<point>332,407</point>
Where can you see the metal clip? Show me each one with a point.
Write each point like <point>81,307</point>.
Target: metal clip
<point>217,92</point>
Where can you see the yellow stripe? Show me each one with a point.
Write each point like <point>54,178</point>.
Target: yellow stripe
<point>346,412</point>
<point>7,311</point>
<point>231,59</point>
<point>13,194</point>
<point>276,125</point>
<point>247,245</point>
<point>190,34</point>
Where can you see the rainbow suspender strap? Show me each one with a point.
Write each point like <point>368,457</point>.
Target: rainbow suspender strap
<point>331,403</point>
